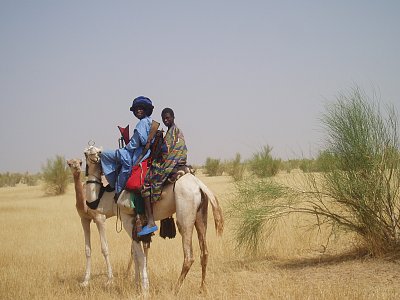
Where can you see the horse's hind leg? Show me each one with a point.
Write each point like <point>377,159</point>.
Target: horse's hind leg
<point>201,228</point>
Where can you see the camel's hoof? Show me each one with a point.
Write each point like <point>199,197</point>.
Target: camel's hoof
<point>145,295</point>
<point>176,291</point>
<point>109,282</point>
<point>203,290</point>
<point>84,284</point>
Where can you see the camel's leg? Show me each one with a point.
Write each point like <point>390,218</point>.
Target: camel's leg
<point>201,228</point>
<point>186,230</point>
<point>134,258</point>
<point>86,230</point>
<point>138,254</point>
<point>100,223</point>
<point>128,269</point>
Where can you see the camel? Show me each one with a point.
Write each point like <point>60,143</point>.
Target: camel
<point>105,210</point>
<point>188,198</point>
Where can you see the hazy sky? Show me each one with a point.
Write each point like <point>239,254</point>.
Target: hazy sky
<point>238,74</point>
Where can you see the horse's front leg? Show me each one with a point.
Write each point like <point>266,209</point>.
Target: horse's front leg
<point>86,231</point>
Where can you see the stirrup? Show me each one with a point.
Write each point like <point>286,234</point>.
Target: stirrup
<point>147,230</point>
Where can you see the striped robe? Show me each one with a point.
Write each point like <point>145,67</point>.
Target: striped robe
<point>174,152</point>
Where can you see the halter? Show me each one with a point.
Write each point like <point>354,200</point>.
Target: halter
<point>96,180</point>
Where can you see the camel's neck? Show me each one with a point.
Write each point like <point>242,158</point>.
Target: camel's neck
<point>80,198</point>
<point>94,183</point>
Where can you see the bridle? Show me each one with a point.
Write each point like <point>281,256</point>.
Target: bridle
<point>93,158</point>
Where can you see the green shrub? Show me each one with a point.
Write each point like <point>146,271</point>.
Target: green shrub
<point>254,211</point>
<point>56,176</point>
<point>263,165</point>
<point>32,180</point>
<point>306,165</point>
<point>360,190</point>
<point>235,168</point>
<point>10,179</point>
<point>323,163</point>
<point>213,167</point>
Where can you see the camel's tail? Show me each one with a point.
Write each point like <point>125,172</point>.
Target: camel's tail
<point>217,211</point>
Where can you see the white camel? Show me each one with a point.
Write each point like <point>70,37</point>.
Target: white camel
<point>188,198</point>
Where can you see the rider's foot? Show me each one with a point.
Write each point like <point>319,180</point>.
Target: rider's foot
<point>147,230</point>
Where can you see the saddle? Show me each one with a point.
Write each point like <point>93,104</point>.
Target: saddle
<point>179,171</point>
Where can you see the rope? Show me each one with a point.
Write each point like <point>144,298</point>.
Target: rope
<point>116,222</point>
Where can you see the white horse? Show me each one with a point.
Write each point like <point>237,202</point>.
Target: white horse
<point>188,198</point>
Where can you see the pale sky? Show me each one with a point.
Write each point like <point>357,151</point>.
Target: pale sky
<point>238,74</point>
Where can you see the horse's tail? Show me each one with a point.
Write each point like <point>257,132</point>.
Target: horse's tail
<point>217,211</point>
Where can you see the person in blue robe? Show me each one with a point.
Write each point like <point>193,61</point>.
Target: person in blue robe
<point>117,164</point>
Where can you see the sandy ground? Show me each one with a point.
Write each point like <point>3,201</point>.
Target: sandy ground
<point>42,257</point>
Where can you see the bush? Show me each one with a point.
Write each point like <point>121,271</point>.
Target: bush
<point>56,176</point>
<point>254,211</point>
<point>360,192</point>
<point>323,163</point>
<point>32,180</point>
<point>213,167</point>
<point>235,168</point>
<point>263,165</point>
<point>10,179</point>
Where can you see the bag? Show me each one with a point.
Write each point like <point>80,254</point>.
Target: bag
<point>136,180</point>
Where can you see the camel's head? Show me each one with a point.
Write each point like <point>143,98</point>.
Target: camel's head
<point>92,155</point>
<point>75,165</point>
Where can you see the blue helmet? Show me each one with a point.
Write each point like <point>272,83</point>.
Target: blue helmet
<point>144,101</point>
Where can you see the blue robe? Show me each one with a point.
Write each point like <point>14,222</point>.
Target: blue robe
<point>117,164</point>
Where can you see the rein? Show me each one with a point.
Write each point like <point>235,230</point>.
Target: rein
<point>94,204</point>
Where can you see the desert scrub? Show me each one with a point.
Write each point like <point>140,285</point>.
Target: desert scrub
<point>56,176</point>
<point>263,164</point>
<point>235,168</point>
<point>360,190</point>
<point>213,167</point>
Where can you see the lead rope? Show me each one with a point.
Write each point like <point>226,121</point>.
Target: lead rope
<point>116,222</point>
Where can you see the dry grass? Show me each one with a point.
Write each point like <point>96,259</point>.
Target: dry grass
<point>42,257</point>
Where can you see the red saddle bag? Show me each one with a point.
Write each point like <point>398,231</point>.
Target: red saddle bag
<point>136,180</point>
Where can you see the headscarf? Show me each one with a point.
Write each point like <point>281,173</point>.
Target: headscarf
<point>146,102</point>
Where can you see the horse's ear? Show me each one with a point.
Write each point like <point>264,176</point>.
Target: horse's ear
<point>100,149</point>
